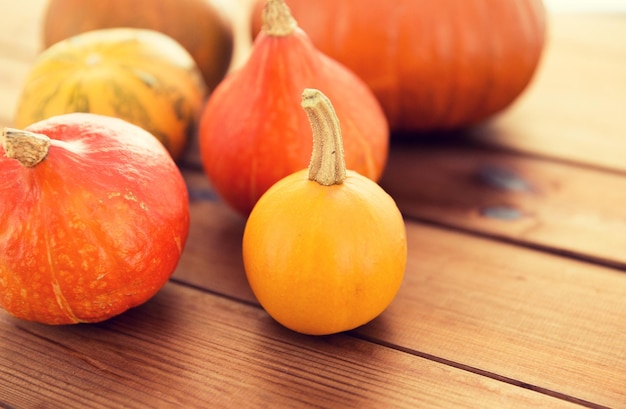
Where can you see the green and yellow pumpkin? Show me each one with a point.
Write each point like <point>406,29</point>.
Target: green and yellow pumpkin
<point>139,75</point>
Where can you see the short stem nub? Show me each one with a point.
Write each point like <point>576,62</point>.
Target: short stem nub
<point>277,19</point>
<point>327,166</point>
<point>26,147</point>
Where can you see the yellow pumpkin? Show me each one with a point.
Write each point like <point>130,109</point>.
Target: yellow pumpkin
<point>139,75</point>
<point>202,27</point>
<point>324,249</point>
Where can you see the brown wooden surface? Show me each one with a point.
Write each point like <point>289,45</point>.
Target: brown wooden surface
<point>515,289</point>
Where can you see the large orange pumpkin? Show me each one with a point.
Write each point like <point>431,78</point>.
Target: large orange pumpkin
<point>200,26</point>
<point>433,65</point>
<point>141,76</point>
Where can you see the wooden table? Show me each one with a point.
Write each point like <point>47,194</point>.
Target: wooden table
<point>515,289</point>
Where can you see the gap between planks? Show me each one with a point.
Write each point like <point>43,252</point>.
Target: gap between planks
<point>554,251</point>
<point>416,353</point>
<point>222,228</point>
<point>185,345</point>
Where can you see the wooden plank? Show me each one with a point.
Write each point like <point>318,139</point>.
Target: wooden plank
<point>186,348</point>
<point>574,109</point>
<point>564,208</point>
<point>547,321</point>
<point>212,257</point>
<point>529,319</point>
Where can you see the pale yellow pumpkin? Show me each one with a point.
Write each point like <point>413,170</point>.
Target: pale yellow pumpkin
<point>139,75</point>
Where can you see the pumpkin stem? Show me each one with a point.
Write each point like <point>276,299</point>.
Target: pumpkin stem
<point>28,148</point>
<point>328,165</point>
<point>277,19</point>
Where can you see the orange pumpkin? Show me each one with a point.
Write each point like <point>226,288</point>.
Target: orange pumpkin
<point>433,65</point>
<point>94,215</point>
<point>141,76</point>
<point>324,249</point>
<point>200,26</point>
<point>253,132</point>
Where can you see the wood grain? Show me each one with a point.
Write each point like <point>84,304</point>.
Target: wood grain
<point>558,207</point>
<point>509,298</point>
<point>186,348</point>
<point>497,308</point>
<point>510,311</point>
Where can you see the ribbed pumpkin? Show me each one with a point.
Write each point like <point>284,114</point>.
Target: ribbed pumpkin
<point>433,65</point>
<point>141,76</point>
<point>200,26</point>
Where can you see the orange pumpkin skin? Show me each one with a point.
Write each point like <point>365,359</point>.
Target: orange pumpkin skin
<point>433,65</point>
<point>253,132</point>
<point>95,228</point>
<point>198,25</point>
<point>141,76</point>
<point>324,259</point>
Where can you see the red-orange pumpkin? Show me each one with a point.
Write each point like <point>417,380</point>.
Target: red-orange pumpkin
<point>94,218</point>
<point>253,131</point>
<point>433,65</point>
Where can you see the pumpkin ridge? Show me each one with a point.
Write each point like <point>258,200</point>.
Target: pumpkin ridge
<point>477,107</point>
<point>61,301</point>
<point>452,90</point>
<point>394,50</point>
<point>274,142</point>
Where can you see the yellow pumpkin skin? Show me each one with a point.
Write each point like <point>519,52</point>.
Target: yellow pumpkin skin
<point>202,27</point>
<point>141,76</point>
<point>325,259</point>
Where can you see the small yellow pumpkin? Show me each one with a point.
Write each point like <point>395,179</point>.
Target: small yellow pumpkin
<point>324,249</point>
<point>139,75</point>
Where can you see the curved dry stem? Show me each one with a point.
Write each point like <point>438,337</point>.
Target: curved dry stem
<point>328,165</point>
